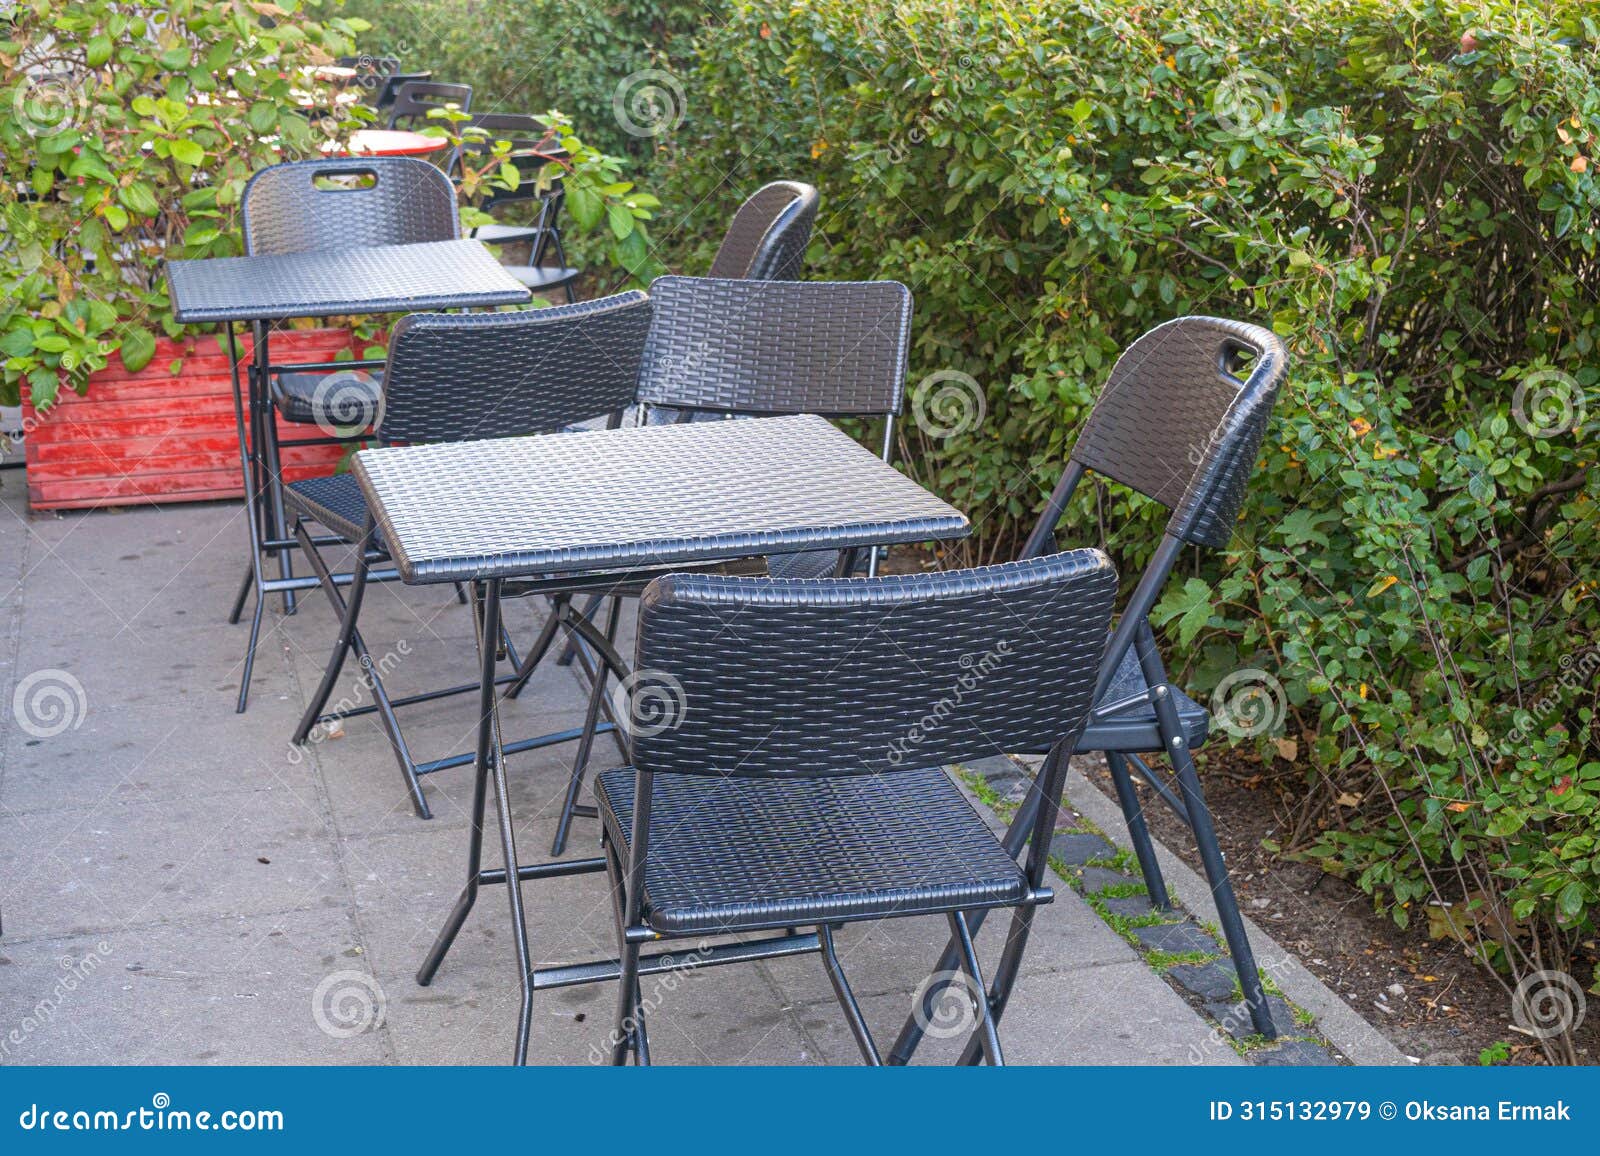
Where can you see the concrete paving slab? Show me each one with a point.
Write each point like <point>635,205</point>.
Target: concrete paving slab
<point>1108,1014</point>
<point>125,862</point>
<point>143,664</point>
<point>145,828</point>
<point>132,755</point>
<point>236,990</point>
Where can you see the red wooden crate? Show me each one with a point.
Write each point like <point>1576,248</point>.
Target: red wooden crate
<point>156,436</point>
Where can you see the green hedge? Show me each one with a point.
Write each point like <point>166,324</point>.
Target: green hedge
<point>534,55</point>
<point>1406,192</point>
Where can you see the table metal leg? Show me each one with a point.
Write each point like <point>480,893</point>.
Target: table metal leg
<point>247,469</point>
<point>272,464</point>
<point>491,752</point>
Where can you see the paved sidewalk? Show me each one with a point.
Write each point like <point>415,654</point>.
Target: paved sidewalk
<point>179,885</point>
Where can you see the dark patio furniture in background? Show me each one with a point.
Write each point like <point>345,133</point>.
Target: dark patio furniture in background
<point>454,378</point>
<point>1180,420</point>
<point>414,99</point>
<point>383,97</point>
<point>766,241</point>
<point>363,279</point>
<point>462,512</point>
<point>307,206</point>
<point>800,783</point>
<point>532,147</point>
<point>759,348</point>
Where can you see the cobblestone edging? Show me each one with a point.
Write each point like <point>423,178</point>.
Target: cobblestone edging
<point>1186,953</point>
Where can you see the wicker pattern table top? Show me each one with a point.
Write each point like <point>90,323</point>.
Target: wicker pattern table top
<point>324,283</point>
<point>632,499</point>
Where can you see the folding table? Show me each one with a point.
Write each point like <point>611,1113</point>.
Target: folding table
<point>322,283</point>
<point>535,515</point>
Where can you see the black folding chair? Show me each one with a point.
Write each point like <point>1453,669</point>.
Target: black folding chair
<point>305,206</point>
<point>532,147</point>
<point>728,348</point>
<point>384,94</point>
<point>1181,420</point>
<point>414,99</point>
<point>458,377</point>
<point>799,782</point>
<point>766,241</point>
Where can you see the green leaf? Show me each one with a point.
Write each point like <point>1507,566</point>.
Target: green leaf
<point>188,152</point>
<point>620,219</point>
<point>586,208</point>
<point>263,116</point>
<point>98,50</point>
<point>138,347</point>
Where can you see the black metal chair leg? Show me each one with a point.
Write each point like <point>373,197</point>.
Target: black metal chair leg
<point>847,999</point>
<point>369,669</point>
<point>1016,837</point>
<point>541,646</point>
<point>570,651</point>
<point>986,1029</point>
<point>1139,832</point>
<point>250,654</point>
<point>1205,837</point>
<point>244,592</point>
<point>628,1006</point>
<point>341,647</point>
<point>491,750</point>
<point>580,760</point>
<point>1005,976</point>
<point>469,894</point>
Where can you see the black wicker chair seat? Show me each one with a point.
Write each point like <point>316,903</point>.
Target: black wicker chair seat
<point>733,854</point>
<point>312,398</point>
<point>337,502</point>
<point>537,277</point>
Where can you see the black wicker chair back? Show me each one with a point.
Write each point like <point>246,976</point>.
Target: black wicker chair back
<point>392,84</point>
<point>1181,420</point>
<point>767,238</point>
<point>415,99</point>
<point>454,377</point>
<point>769,347</point>
<point>289,209</point>
<point>801,679</point>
